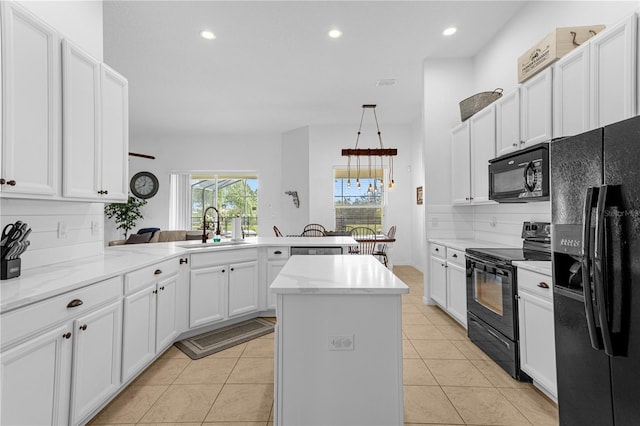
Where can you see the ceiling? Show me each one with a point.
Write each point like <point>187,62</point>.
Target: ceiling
<point>272,67</point>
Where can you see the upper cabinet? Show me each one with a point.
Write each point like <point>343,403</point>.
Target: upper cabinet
<point>95,130</point>
<point>460,164</point>
<point>535,109</point>
<point>508,123</point>
<point>614,73</point>
<point>30,105</point>
<point>596,84</point>
<point>89,109</point>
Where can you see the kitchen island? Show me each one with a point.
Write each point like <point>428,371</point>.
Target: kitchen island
<point>338,345</point>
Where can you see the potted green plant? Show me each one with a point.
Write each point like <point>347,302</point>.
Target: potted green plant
<point>126,215</point>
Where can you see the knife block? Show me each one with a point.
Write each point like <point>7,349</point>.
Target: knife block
<point>10,268</point>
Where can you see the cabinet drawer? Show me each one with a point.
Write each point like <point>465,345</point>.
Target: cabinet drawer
<point>534,282</point>
<point>136,280</point>
<point>438,250</point>
<point>30,319</point>
<point>274,253</point>
<point>455,256</point>
<point>212,258</point>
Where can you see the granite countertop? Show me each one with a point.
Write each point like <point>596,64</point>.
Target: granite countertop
<point>40,283</point>
<point>541,267</point>
<point>337,274</point>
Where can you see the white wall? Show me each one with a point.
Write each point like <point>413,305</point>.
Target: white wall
<point>80,21</point>
<point>295,177</point>
<point>219,153</point>
<point>325,145</point>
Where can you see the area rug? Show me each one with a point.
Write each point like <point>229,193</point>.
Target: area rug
<point>224,338</point>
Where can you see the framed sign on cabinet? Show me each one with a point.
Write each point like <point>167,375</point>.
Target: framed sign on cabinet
<point>419,195</point>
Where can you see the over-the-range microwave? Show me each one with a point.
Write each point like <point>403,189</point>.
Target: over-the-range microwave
<point>520,176</point>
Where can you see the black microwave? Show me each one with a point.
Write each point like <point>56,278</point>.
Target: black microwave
<point>521,176</point>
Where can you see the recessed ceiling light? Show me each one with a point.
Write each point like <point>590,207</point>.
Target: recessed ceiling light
<point>449,31</point>
<point>207,35</point>
<point>335,33</point>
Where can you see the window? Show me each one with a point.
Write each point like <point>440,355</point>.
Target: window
<point>358,207</point>
<point>233,196</point>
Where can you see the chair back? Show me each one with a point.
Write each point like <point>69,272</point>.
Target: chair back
<point>366,240</point>
<point>277,231</point>
<point>392,232</point>
<point>314,227</point>
<point>312,233</point>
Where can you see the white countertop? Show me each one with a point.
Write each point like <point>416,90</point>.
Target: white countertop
<point>463,244</point>
<point>535,266</point>
<point>37,284</point>
<point>342,274</point>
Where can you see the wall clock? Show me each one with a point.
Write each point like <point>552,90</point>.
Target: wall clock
<point>144,185</point>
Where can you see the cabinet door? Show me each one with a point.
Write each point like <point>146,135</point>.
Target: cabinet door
<point>483,148</point>
<point>438,281</point>
<point>457,292</point>
<point>508,123</point>
<point>243,288</point>
<point>166,328</point>
<point>207,296</point>
<point>614,73</point>
<point>81,123</point>
<point>273,269</point>
<point>460,165</point>
<point>96,359</point>
<point>571,93</point>
<point>138,340</point>
<point>535,108</point>
<point>30,61</point>
<point>537,340</point>
<point>115,134</point>
<point>35,380</point>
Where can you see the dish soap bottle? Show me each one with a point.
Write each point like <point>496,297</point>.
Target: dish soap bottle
<point>216,238</point>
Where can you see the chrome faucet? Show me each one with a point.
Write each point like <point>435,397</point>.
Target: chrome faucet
<point>204,223</point>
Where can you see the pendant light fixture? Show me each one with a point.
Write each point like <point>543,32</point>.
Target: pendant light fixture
<point>381,152</point>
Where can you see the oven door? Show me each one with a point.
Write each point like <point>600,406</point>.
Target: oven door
<point>490,294</point>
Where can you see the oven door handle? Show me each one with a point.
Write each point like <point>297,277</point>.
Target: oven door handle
<point>591,196</point>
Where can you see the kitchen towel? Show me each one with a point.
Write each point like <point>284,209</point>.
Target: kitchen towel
<point>236,229</point>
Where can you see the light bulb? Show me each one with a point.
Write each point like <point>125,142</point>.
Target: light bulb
<point>348,183</point>
<point>369,189</point>
<point>358,183</point>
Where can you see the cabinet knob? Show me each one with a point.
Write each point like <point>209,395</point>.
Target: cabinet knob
<point>74,303</point>
<point>185,260</point>
<point>277,252</point>
<point>223,271</point>
<point>515,144</point>
<point>437,249</point>
<point>67,335</point>
<point>101,192</point>
<point>11,182</point>
<point>83,327</point>
<point>162,288</point>
<point>454,255</point>
<point>157,272</point>
<point>155,292</point>
<point>105,192</point>
<point>543,285</point>
<point>2,181</point>
<point>231,269</point>
<point>470,198</point>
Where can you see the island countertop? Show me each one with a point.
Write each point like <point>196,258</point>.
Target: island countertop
<point>336,274</point>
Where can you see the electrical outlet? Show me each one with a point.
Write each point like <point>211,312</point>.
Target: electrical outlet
<point>494,221</point>
<point>341,343</point>
<point>62,230</point>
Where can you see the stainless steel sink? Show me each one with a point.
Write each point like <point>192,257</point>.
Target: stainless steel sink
<point>213,244</point>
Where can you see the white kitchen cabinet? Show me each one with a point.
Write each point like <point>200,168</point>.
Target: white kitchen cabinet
<point>535,109</point>
<point>482,129</point>
<point>243,288</point>
<point>30,158</point>
<point>95,127</point>
<point>536,329</point>
<point>96,359</point>
<point>508,123</point>
<point>460,165</point>
<point>207,296</point>
<point>438,275</point>
<point>35,380</point>
<point>614,73</point>
<point>149,315</point>
<point>456,286</point>
<point>571,89</point>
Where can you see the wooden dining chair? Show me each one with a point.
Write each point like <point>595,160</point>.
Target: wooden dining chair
<point>314,227</point>
<point>366,240</point>
<point>277,231</point>
<point>312,233</point>
<point>381,251</point>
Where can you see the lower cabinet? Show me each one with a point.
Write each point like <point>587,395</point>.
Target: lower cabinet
<point>537,337</point>
<point>448,281</point>
<point>149,324</point>
<point>243,288</point>
<point>273,269</point>
<point>206,299</point>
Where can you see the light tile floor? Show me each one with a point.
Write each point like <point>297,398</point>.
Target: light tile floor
<point>447,381</point>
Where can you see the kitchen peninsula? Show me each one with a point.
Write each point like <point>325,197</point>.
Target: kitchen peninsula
<point>338,343</point>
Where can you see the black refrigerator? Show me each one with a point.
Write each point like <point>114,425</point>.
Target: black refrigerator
<point>595,213</point>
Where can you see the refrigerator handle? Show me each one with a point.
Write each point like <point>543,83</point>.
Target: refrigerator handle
<point>592,193</point>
